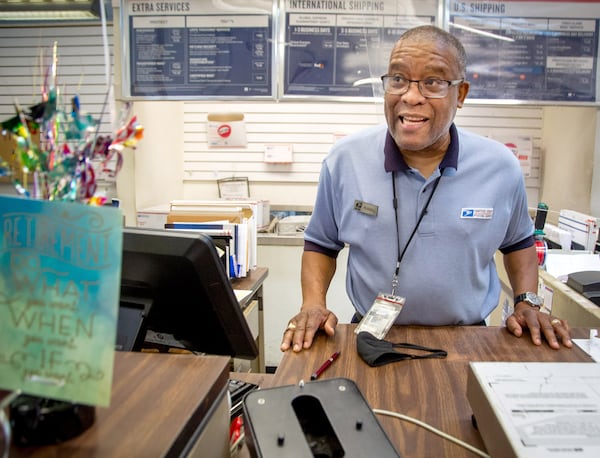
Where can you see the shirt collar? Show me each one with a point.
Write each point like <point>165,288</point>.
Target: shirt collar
<point>394,161</point>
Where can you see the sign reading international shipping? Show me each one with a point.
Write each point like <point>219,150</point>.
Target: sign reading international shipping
<point>60,269</point>
<point>341,48</point>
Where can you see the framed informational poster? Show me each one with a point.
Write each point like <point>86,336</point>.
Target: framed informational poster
<point>532,51</point>
<point>197,49</point>
<point>525,51</point>
<point>341,48</point>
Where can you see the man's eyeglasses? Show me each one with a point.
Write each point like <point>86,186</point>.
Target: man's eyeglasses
<point>431,88</point>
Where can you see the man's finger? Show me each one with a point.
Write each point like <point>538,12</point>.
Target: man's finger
<point>512,324</point>
<point>534,329</point>
<point>561,331</point>
<point>550,335</point>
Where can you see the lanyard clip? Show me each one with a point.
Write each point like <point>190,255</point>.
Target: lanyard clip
<point>395,278</point>
<point>394,284</point>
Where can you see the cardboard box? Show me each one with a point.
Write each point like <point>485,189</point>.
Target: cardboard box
<point>8,145</point>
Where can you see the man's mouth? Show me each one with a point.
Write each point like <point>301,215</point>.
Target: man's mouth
<point>407,119</point>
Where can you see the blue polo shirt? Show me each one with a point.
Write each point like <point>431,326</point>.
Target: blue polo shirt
<point>448,275</point>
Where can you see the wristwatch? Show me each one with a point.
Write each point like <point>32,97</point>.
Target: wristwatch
<point>531,298</point>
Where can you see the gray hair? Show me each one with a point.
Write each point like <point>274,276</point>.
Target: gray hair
<point>435,34</point>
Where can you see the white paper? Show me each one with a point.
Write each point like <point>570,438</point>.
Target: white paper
<point>560,265</point>
<point>547,409</point>
<point>591,346</point>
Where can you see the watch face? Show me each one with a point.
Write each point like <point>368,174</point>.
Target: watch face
<point>534,299</point>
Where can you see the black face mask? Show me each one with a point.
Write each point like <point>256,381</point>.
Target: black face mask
<point>377,352</point>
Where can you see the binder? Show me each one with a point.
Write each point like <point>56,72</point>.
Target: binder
<point>222,235</point>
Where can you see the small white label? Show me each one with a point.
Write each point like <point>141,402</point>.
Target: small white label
<point>278,154</point>
<point>477,213</point>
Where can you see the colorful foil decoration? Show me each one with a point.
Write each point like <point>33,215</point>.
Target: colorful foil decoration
<point>65,162</point>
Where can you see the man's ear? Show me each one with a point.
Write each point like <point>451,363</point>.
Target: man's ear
<point>463,90</point>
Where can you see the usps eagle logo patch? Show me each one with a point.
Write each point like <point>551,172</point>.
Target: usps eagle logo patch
<point>477,213</point>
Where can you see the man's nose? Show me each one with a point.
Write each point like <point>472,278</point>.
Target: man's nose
<point>413,91</point>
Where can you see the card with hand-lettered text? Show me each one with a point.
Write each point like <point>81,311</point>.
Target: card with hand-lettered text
<point>60,269</point>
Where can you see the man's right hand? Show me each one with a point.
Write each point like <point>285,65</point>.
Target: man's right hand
<point>302,328</point>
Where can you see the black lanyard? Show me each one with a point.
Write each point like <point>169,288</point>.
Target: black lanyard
<point>414,231</point>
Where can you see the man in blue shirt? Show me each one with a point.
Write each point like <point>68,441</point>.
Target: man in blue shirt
<point>423,206</point>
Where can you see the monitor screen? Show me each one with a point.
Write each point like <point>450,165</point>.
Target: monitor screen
<point>175,293</point>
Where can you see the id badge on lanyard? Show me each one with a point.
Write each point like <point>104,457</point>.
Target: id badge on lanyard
<point>382,315</point>
<point>386,307</point>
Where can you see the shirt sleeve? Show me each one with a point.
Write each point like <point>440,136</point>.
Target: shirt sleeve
<point>321,234</point>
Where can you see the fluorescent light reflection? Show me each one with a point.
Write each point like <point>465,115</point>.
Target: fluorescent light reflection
<point>481,32</point>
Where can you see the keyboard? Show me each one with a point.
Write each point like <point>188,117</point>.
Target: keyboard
<point>237,391</point>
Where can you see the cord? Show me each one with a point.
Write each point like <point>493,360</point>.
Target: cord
<point>234,446</point>
<point>4,422</point>
<point>433,430</point>
<point>10,397</point>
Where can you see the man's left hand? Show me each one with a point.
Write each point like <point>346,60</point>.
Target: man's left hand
<point>541,326</point>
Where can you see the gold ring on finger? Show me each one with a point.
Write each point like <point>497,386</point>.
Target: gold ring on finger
<point>291,326</point>
<point>555,322</point>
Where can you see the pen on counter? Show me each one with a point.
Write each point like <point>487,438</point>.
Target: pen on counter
<point>324,366</point>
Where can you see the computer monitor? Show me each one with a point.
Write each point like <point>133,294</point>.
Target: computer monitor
<point>174,291</point>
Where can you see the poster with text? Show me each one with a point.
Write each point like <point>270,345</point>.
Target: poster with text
<point>60,269</point>
<point>529,50</point>
<point>198,49</point>
<point>341,48</point>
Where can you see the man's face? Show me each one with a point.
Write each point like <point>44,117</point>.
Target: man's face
<point>416,123</point>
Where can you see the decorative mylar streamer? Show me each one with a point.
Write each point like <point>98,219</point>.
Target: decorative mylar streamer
<point>61,166</point>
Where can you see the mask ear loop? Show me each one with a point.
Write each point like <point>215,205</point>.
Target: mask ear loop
<point>432,352</point>
<point>414,231</point>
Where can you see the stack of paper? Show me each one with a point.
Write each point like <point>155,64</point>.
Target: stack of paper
<point>536,409</point>
<point>235,220</point>
<point>560,265</point>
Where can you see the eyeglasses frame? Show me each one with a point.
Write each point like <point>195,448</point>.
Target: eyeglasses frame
<point>451,83</point>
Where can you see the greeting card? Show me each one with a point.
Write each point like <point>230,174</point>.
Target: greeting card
<point>60,268</point>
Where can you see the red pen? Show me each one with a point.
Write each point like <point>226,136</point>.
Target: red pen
<point>324,366</point>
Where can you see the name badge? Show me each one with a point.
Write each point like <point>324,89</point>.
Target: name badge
<point>477,213</point>
<point>366,208</point>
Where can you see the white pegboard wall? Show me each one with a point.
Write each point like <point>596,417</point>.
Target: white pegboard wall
<point>312,128</point>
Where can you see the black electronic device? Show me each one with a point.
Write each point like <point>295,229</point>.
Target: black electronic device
<point>131,329</point>
<point>324,418</point>
<point>237,390</point>
<point>182,294</point>
<point>39,421</point>
<point>587,283</point>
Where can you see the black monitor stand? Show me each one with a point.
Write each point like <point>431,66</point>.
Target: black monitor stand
<point>132,325</point>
